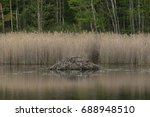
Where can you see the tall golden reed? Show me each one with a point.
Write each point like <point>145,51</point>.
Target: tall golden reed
<point>47,48</point>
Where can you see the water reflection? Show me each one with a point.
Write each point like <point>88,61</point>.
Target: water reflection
<point>73,74</point>
<point>110,82</point>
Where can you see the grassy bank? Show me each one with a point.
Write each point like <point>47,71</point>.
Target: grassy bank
<point>47,48</point>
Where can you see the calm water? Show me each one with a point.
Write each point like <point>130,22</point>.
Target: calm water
<point>111,82</point>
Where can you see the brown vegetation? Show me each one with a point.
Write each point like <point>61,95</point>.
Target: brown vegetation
<point>48,48</point>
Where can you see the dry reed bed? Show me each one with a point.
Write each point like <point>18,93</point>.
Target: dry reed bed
<point>47,48</point>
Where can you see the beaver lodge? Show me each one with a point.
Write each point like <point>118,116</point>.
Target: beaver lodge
<point>74,63</point>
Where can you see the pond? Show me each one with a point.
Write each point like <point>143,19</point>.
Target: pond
<point>110,82</point>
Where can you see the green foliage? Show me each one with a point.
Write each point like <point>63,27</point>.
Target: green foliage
<point>78,15</point>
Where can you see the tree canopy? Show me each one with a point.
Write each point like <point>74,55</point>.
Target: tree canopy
<point>118,16</point>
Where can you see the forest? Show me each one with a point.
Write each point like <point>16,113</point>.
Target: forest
<point>117,16</point>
